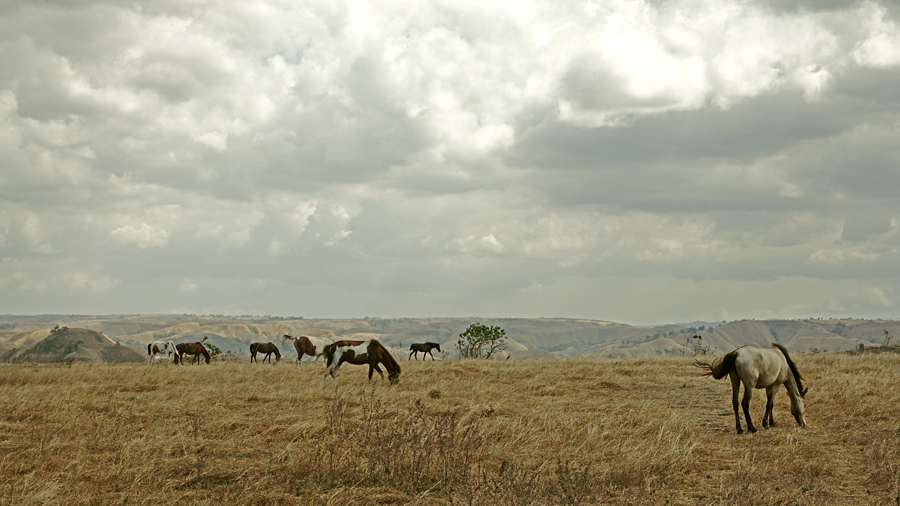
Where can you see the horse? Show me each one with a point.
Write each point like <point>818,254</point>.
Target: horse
<point>194,349</point>
<point>425,348</point>
<point>163,348</point>
<point>767,368</point>
<point>267,348</point>
<point>307,345</point>
<point>369,352</point>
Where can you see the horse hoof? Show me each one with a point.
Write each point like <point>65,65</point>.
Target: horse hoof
<point>753,430</point>
<point>740,431</point>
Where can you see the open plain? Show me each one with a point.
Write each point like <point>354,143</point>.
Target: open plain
<point>598,431</point>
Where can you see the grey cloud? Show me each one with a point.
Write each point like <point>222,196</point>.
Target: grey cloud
<point>756,127</point>
<point>298,162</point>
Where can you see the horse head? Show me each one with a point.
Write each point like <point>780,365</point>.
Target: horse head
<point>798,408</point>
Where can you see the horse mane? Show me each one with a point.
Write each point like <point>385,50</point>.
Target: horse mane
<point>204,352</point>
<point>390,363</point>
<point>798,378</point>
<point>720,366</point>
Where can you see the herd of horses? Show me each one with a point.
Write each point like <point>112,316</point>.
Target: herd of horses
<point>750,366</point>
<point>367,352</point>
<point>176,352</point>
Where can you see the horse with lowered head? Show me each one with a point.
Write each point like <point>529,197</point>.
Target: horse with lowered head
<point>308,345</point>
<point>767,368</point>
<point>267,348</point>
<point>369,352</point>
<point>163,349</point>
<point>193,349</point>
<point>425,348</point>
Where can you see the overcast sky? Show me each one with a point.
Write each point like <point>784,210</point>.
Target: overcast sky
<point>638,162</point>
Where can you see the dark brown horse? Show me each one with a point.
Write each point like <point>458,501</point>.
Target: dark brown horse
<point>267,348</point>
<point>307,345</point>
<point>194,349</point>
<point>369,352</point>
<point>425,348</point>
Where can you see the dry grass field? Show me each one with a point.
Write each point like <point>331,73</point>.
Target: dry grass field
<point>636,431</point>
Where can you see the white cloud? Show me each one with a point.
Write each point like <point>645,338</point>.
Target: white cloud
<point>144,235</point>
<point>881,47</point>
<point>84,282</point>
<point>187,286</point>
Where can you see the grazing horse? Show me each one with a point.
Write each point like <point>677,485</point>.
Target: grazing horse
<point>767,368</point>
<point>267,348</point>
<point>369,352</point>
<point>425,348</point>
<point>163,348</point>
<point>307,345</point>
<point>194,349</point>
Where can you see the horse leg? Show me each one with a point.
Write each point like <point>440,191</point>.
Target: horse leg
<point>331,369</point>
<point>745,403</point>
<point>735,389</point>
<point>410,354</point>
<point>429,352</point>
<point>770,405</point>
<point>374,367</point>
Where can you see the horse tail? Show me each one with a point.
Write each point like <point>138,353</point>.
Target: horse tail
<point>720,367</point>
<point>150,349</point>
<point>285,338</point>
<point>328,353</point>
<point>798,378</point>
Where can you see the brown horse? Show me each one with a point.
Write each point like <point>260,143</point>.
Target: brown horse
<point>425,348</point>
<point>194,349</point>
<point>369,352</point>
<point>267,348</point>
<point>307,345</point>
<point>767,368</point>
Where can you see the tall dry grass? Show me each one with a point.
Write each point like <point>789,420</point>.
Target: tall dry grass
<point>640,431</point>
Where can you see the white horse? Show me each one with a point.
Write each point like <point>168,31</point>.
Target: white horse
<point>308,345</point>
<point>767,368</point>
<point>163,349</point>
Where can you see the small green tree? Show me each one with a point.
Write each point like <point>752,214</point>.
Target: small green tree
<point>698,346</point>
<point>214,351</point>
<point>481,341</point>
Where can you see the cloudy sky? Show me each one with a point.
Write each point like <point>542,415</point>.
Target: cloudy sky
<point>633,161</point>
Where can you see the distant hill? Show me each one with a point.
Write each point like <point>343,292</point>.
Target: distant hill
<point>71,345</point>
<point>528,337</point>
